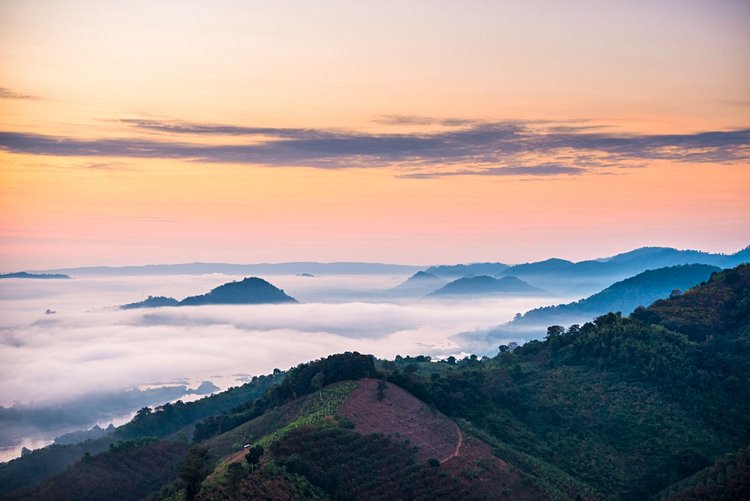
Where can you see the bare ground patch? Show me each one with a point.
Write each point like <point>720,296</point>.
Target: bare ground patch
<point>402,416</point>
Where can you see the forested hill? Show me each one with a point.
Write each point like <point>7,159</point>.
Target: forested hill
<point>624,296</point>
<point>252,290</point>
<point>651,406</point>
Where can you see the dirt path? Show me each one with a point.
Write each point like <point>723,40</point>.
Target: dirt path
<point>458,446</point>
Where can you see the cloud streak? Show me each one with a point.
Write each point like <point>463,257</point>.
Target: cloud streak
<point>6,93</point>
<point>490,149</point>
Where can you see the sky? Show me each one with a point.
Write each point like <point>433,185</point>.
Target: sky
<point>417,132</point>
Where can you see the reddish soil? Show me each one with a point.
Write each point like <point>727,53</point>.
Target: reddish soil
<point>401,415</point>
<point>485,473</point>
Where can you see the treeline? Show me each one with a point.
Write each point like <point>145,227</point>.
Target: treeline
<point>299,381</point>
<point>129,470</point>
<point>726,480</point>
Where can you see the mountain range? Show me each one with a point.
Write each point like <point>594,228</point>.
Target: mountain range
<point>561,276</point>
<point>291,268</point>
<point>624,296</point>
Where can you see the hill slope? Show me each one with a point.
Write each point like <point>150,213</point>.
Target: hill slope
<point>420,283</point>
<point>251,290</point>
<point>624,296</point>
<point>486,285</point>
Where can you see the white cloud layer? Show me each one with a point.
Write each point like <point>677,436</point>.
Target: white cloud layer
<point>88,346</point>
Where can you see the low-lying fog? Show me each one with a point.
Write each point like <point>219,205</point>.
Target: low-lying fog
<point>90,362</point>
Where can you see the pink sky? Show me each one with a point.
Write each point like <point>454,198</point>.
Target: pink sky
<point>412,132</point>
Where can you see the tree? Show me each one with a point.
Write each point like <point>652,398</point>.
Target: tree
<point>193,469</point>
<point>381,389</point>
<point>554,331</point>
<point>142,413</point>
<point>235,473</point>
<point>317,383</point>
<point>253,456</point>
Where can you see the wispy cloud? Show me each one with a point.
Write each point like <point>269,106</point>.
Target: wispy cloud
<point>6,93</point>
<point>508,148</point>
<point>519,170</point>
<point>420,120</point>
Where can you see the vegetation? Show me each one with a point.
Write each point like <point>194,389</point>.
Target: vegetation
<point>301,380</point>
<point>624,296</point>
<point>347,465</point>
<point>128,470</point>
<point>163,421</point>
<point>728,479</point>
<point>251,290</point>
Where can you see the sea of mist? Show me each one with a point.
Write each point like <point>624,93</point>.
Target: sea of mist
<point>92,363</point>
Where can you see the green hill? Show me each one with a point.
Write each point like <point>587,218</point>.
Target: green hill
<point>624,296</point>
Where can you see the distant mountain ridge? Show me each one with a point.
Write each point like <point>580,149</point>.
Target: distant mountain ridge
<point>635,261</point>
<point>586,277</point>
<point>252,290</point>
<point>486,285</point>
<point>463,270</point>
<point>419,284</point>
<point>291,268</point>
<point>37,276</point>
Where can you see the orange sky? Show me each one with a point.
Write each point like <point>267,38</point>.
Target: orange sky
<point>415,132</point>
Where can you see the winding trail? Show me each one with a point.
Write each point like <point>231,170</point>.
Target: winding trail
<point>458,446</point>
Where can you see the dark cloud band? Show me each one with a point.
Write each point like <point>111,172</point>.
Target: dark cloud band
<point>492,149</point>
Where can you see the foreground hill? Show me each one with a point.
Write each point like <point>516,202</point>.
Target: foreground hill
<point>484,285</point>
<point>251,290</point>
<point>649,406</point>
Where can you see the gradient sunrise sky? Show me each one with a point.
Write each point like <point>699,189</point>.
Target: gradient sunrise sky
<point>417,132</point>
